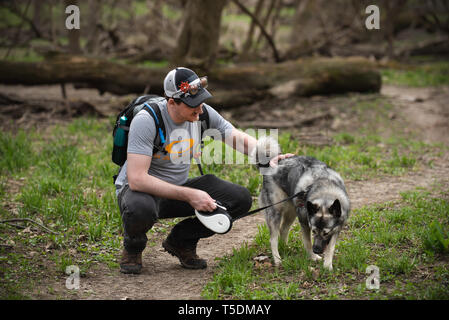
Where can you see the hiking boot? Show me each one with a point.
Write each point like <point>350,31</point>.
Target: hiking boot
<point>131,262</point>
<point>187,256</point>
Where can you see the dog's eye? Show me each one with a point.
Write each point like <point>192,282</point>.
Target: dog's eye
<point>314,232</point>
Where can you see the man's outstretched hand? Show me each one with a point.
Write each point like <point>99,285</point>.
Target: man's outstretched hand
<point>275,160</point>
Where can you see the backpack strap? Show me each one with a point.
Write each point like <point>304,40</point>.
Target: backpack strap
<point>154,110</point>
<point>205,123</point>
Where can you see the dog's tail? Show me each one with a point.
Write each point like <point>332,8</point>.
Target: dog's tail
<point>266,149</point>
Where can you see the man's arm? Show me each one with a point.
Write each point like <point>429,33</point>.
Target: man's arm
<point>140,180</point>
<point>242,141</point>
<point>245,143</point>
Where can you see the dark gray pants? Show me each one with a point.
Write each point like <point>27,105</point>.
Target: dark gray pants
<point>140,211</point>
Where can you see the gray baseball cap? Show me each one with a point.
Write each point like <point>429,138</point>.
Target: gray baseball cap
<point>184,84</point>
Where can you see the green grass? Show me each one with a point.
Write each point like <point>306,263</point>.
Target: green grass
<point>62,177</point>
<point>68,187</point>
<point>423,75</point>
<point>15,152</point>
<point>391,236</point>
<point>355,157</point>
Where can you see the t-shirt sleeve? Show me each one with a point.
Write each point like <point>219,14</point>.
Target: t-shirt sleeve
<point>216,121</point>
<point>141,134</point>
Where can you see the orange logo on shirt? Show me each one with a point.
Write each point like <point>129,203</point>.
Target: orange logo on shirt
<point>169,148</point>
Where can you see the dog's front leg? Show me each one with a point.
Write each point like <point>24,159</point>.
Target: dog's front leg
<point>307,240</point>
<point>329,252</point>
<point>274,241</point>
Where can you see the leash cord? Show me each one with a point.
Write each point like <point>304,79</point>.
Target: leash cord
<point>271,205</point>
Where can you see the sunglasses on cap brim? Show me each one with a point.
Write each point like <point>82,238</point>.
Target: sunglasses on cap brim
<point>192,88</point>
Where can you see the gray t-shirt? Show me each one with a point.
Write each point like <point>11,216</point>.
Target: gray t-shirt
<point>182,142</point>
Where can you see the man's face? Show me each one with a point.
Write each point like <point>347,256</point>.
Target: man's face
<point>187,113</point>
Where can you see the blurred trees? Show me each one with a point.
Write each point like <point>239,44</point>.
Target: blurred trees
<point>198,40</point>
<point>197,33</point>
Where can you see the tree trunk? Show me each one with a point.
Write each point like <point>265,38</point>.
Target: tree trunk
<point>249,38</point>
<point>37,6</point>
<point>198,39</point>
<point>262,29</point>
<point>95,9</point>
<point>73,34</point>
<point>230,86</point>
<point>393,8</point>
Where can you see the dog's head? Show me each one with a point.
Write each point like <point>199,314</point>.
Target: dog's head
<point>325,220</point>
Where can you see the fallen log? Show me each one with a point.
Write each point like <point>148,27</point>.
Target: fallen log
<point>97,73</point>
<point>16,107</point>
<point>231,86</point>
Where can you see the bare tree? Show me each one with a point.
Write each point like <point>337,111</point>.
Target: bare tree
<point>262,29</point>
<point>94,15</point>
<point>393,8</point>
<point>435,14</point>
<point>249,38</point>
<point>153,27</point>
<point>198,40</point>
<point>73,34</point>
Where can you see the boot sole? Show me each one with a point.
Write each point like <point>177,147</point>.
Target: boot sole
<point>172,251</point>
<point>131,269</point>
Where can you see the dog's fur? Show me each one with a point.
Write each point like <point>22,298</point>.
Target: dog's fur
<point>322,207</point>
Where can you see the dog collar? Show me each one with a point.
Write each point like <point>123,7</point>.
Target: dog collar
<point>265,165</point>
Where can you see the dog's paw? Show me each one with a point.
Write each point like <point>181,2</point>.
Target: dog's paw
<point>328,266</point>
<point>277,261</point>
<point>315,257</point>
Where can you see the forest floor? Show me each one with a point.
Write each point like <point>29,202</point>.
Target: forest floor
<point>423,112</point>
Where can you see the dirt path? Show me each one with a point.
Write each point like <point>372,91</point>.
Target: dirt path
<point>163,278</point>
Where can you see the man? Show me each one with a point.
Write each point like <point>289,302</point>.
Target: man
<point>156,186</point>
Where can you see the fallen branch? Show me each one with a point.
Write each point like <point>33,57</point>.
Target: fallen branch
<point>28,220</point>
<point>304,77</point>
<point>50,106</point>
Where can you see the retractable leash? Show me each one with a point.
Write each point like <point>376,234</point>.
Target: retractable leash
<point>219,221</point>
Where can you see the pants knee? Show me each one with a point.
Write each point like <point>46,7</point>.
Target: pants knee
<point>245,199</point>
<point>139,213</point>
<point>242,200</point>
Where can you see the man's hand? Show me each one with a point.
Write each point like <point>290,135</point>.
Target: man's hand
<point>275,160</point>
<point>201,200</point>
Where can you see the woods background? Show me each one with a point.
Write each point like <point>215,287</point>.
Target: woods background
<point>373,104</point>
<point>128,46</point>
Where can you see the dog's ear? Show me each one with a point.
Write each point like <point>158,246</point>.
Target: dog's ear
<point>335,209</point>
<point>312,208</point>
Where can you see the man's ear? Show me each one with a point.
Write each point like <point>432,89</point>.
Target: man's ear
<point>312,208</point>
<point>335,208</point>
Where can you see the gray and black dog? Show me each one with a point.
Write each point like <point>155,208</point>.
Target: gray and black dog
<point>322,205</point>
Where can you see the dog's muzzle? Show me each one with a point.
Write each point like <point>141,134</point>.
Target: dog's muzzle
<point>319,244</point>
